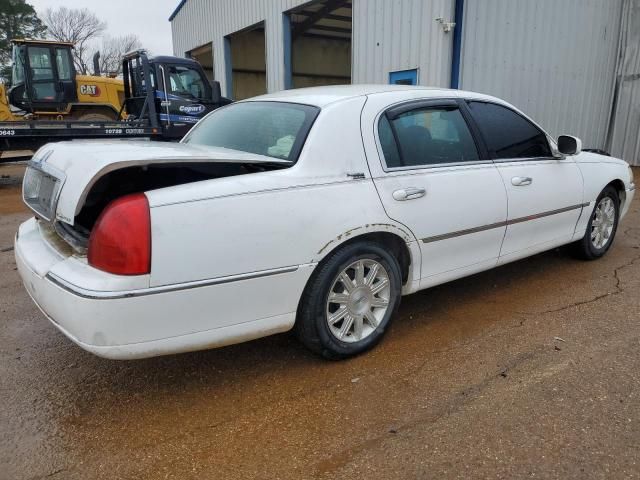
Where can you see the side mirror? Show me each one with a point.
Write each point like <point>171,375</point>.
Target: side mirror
<point>215,85</point>
<point>569,145</point>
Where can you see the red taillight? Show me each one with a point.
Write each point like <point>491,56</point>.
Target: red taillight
<point>120,241</point>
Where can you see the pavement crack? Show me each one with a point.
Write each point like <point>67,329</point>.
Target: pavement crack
<point>463,398</point>
<point>618,290</point>
<point>576,304</point>
<point>617,270</point>
<point>49,475</point>
<point>55,472</point>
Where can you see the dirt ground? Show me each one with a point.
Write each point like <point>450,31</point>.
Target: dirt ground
<point>10,188</point>
<point>530,370</point>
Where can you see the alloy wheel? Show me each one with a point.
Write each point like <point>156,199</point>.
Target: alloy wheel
<point>358,300</point>
<point>603,223</point>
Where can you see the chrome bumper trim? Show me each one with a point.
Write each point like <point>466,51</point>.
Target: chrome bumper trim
<point>98,295</point>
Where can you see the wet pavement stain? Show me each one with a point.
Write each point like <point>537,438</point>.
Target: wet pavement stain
<point>468,382</point>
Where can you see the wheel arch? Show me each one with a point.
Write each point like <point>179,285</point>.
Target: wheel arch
<point>396,240</point>
<point>593,188</point>
<point>620,188</point>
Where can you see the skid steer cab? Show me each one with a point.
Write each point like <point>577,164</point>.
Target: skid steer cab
<point>172,91</point>
<point>45,86</point>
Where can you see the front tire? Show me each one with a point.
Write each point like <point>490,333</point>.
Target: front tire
<point>602,226</point>
<point>349,301</point>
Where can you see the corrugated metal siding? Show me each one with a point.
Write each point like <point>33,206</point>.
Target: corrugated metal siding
<point>553,59</point>
<point>390,35</point>
<point>624,141</point>
<point>204,21</point>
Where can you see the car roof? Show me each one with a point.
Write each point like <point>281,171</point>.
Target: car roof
<point>322,96</point>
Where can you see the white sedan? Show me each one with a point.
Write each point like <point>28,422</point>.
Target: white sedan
<point>312,209</point>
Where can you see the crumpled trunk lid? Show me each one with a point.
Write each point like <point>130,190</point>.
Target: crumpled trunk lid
<point>61,175</point>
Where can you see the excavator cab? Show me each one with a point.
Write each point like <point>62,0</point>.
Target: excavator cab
<point>43,76</point>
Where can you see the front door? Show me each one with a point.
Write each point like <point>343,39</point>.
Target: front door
<point>432,178</point>
<point>50,80</point>
<point>186,97</point>
<point>544,191</point>
<point>44,89</point>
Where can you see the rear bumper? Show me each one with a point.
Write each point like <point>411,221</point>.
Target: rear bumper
<point>146,322</point>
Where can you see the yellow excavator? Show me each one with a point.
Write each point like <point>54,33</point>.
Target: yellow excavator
<point>45,86</point>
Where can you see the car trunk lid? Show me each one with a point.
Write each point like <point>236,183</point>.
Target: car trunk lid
<point>60,176</point>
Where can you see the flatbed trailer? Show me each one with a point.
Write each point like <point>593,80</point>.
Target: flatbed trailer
<point>16,136</point>
<point>155,110</point>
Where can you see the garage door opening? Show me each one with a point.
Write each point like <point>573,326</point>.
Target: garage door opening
<point>247,63</point>
<point>204,56</point>
<point>319,41</point>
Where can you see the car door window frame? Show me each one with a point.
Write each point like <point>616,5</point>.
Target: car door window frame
<point>400,108</point>
<point>551,144</point>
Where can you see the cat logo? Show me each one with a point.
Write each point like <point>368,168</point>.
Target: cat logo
<point>91,90</point>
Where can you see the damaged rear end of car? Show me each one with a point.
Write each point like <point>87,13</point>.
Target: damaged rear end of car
<point>73,208</point>
<point>91,237</point>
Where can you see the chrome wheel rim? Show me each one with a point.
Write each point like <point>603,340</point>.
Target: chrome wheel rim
<point>602,224</point>
<point>358,300</point>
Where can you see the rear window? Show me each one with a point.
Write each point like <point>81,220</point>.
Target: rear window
<point>273,129</point>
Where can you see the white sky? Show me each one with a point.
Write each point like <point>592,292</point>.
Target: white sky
<point>149,19</point>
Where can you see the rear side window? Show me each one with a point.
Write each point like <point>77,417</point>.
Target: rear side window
<point>63,63</point>
<point>427,136</point>
<point>507,133</point>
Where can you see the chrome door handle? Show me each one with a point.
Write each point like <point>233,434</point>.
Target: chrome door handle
<point>409,193</point>
<point>521,181</point>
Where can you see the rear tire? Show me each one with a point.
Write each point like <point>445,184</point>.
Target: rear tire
<point>602,226</point>
<point>349,301</point>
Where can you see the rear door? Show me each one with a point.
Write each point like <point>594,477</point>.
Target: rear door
<point>435,179</point>
<point>544,192</point>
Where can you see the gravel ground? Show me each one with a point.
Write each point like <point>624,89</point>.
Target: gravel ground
<point>530,370</point>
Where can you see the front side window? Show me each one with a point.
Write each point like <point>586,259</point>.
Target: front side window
<point>428,136</point>
<point>507,133</point>
<point>273,129</point>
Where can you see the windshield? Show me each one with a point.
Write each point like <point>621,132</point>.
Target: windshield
<point>273,129</point>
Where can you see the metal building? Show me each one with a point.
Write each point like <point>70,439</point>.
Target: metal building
<point>573,65</point>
